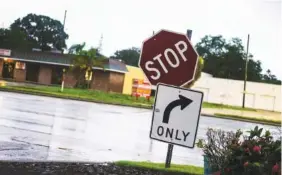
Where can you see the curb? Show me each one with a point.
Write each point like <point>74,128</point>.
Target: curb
<point>241,119</point>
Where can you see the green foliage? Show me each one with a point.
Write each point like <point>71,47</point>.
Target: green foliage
<point>254,154</point>
<point>216,147</point>
<point>268,77</point>
<point>83,63</point>
<point>41,32</point>
<point>76,48</point>
<point>128,56</point>
<point>259,120</point>
<point>161,166</point>
<point>199,69</point>
<point>15,39</point>
<point>226,59</point>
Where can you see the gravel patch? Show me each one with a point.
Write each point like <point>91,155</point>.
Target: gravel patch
<point>61,168</point>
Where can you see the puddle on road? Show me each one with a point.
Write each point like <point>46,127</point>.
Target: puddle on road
<point>32,112</point>
<point>23,121</point>
<point>26,129</point>
<point>25,140</point>
<point>22,151</point>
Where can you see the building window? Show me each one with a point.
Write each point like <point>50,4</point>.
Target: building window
<point>20,65</point>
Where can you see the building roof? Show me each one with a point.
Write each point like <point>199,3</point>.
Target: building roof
<point>63,59</point>
<point>44,57</point>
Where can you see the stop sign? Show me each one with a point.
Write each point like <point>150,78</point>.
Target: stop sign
<point>168,57</point>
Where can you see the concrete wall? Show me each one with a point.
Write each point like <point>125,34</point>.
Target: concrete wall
<point>230,92</point>
<point>19,75</point>
<point>225,91</point>
<point>45,74</point>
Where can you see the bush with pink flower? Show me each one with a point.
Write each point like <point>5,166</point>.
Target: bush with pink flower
<point>235,154</point>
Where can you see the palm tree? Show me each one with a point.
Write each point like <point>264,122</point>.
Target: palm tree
<point>84,61</point>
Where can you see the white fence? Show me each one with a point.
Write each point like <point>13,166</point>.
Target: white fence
<point>230,92</point>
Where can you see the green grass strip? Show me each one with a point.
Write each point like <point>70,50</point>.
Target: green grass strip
<point>218,106</point>
<point>100,96</point>
<point>249,119</point>
<point>85,95</point>
<point>187,169</point>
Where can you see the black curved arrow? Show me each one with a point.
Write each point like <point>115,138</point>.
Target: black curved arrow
<point>182,101</point>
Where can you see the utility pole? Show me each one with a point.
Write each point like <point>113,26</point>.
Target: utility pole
<point>65,19</point>
<point>64,70</point>
<point>246,72</point>
<point>100,44</point>
<point>64,25</point>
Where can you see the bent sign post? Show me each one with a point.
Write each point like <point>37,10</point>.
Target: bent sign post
<point>169,58</point>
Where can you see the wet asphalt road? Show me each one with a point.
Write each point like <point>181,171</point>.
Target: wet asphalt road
<point>45,129</point>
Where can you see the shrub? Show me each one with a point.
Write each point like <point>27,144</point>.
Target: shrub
<point>232,153</point>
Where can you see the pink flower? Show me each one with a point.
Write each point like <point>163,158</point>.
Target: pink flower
<point>246,164</point>
<point>256,148</point>
<point>227,169</point>
<point>275,168</point>
<point>216,173</point>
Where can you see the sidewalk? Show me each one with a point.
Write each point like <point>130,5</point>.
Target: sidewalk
<point>250,114</point>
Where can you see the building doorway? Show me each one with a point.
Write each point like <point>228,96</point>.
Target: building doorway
<point>57,75</point>
<point>32,72</point>
<point>8,69</point>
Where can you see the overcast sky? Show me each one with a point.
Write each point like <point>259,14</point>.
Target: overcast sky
<point>126,23</point>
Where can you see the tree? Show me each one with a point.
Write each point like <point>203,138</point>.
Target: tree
<point>43,31</point>
<point>83,63</point>
<point>15,40</point>
<point>76,48</point>
<point>128,56</point>
<point>227,59</point>
<point>268,77</point>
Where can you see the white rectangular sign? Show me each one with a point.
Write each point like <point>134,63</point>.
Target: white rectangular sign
<point>176,115</point>
<point>5,52</point>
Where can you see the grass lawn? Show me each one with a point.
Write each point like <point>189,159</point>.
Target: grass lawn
<point>82,94</point>
<point>249,119</point>
<point>188,169</point>
<point>214,105</point>
<point>100,96</point>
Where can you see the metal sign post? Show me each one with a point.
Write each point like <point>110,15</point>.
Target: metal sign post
<point>170,146</point>
<point>164,58</point>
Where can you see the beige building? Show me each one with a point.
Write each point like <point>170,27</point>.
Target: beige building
<point>225,91</point>
<point>230,92</point>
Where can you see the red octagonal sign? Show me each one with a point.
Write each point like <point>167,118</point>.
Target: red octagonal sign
<point>169,58</point>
